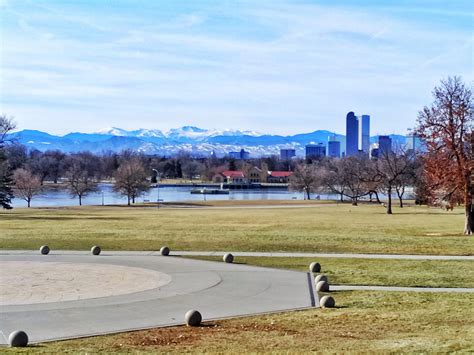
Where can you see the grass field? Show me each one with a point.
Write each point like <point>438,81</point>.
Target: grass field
<point>376,322</point>
<point>322,228</point>
<point>363,322</point>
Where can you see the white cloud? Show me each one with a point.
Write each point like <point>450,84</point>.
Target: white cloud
<point>295,68</point>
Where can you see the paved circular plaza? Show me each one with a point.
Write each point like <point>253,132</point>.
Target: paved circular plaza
<point>75,294</point>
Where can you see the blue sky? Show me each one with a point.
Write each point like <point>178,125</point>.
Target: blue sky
<point>271,66</point>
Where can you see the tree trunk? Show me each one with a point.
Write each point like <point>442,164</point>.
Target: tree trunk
<point>342,197</point>
<point>308,195</point>
<point>377,197</point>
<point>389,204</point>
<point>400,196</point>
<point>469,228</point>
<point>29,202</point>
<point>128,200</point>
<point>354,201</point>
<point>80,200</point>
<point>133,199</point>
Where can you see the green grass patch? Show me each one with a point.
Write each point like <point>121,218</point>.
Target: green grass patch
<point>322,228</point>
<point>364,322</point>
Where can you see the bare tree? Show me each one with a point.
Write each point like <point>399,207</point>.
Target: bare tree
<point>356,177</point>
<point>393,169</point>
<point>131,179</point>
<point>79,180</point>
<point>307,179</point>
<point>6,126</point>
<point>191,168</point>
<point>27,185</point>
<point>446,128</point>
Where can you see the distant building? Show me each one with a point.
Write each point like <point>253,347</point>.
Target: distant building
<point>352,134</point>
<point>385,145</point>
<point>254,175</point>
<point>242,155</point>
<point>287,154</point>
<point>413,143</point>
<point>334,147</point>
<point>315,150</point>
<point>279,176</point>
<point>374,150</point>
<point>233,177</point>
<point>364,134</point>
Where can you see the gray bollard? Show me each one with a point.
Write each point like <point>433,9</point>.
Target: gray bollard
<point>44,250</point>
<point>193,318</point>
<point>165,251</point>
<point>18,339</point>
<point>320,278</point>
<point>228,258</point>
<point>322,286</point>
<point>314,267</point>
<point>327,302</point>
<point>95,250</point>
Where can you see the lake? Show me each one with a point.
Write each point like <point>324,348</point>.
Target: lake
<point>61,197</point>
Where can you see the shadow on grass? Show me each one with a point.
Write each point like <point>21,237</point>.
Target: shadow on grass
<point>14,217</point>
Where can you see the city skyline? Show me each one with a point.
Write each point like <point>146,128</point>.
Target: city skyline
<point>279,68</point>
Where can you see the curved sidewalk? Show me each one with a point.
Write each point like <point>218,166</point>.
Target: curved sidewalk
<point>254,254</point>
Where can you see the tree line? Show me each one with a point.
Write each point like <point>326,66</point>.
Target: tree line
<point>441,175</point>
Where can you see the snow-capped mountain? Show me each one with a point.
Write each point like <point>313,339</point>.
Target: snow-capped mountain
<point>195,140</point>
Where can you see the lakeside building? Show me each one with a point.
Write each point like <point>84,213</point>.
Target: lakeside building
<point>254,175</point>
<point>287,154</point>
<point>315,150</point>
<point>281,177</point>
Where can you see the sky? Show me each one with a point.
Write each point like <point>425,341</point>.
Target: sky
<point>279,67</point>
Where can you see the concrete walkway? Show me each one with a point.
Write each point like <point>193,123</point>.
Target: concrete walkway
<point>243,253</point>
<point>54,297</point>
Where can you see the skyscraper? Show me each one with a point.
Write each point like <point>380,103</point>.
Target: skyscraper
<point>315,150</point>
<point>352,134</point>
<point>334,147</point>
<point>364,134</point>
<point>385,145</point>
<point>287,154</point>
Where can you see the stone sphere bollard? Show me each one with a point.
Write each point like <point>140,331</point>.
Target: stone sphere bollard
<point>193,318</point>
<point>165,251</point>
<point>320,278</point>
<point>322,286</point>
<point>314,267</point>
<point>228,258</point>
<point>18,339</point>
<point>44,250</point>
<point>95,250</point>
<point>327,302</point>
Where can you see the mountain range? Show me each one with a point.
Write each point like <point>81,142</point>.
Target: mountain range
<point>197,141</point>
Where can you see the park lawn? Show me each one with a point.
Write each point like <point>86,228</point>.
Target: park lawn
<point>373,272</point>
<point>319,228</point>
<point>373,322</point>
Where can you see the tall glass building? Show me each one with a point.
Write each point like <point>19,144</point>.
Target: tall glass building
<point>352,134</point>
<point>364,134</point>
